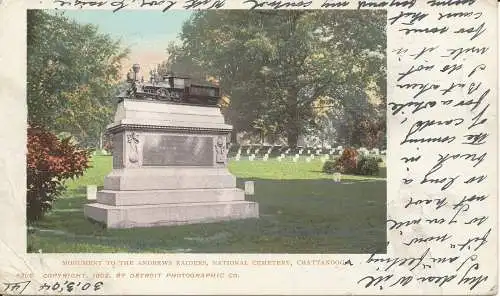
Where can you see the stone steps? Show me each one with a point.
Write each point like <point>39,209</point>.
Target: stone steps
<point>170,214</point>
<point>169,178</point>
<point>173,196</point>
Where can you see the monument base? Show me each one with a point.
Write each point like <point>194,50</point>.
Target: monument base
<point>169,168</point>
<point>170,214</point>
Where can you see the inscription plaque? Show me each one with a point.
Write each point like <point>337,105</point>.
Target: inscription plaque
<point>169,150</point>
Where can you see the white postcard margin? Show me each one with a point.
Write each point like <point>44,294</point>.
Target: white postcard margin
<point>436,271</point>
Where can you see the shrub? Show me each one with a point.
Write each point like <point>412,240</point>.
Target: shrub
<point>329,167</point>
<point>347,162</point>
<point>50,161</point>
<point>368,166</point>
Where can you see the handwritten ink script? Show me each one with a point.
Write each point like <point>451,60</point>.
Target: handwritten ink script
<point>70,286</point>
<point>441,58</point>
<point>17,288</point>
<point>165,5</point>
<point>162,5</point>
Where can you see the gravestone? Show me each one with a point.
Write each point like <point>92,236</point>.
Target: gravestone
<point>91,192</point>
<point>169,166</point>
<point>337,177</point>
<point>363,151</point>
<point>249,187</point>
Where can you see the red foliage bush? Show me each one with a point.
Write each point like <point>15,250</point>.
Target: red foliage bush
<point>348,161</point>
<point>50,161</point>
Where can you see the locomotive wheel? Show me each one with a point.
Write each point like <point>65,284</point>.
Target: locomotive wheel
<point>176,97</point>
<point>163,94</point>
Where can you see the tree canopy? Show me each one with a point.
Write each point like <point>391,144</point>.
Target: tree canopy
<point>73,73</point>
<point>291,71</point>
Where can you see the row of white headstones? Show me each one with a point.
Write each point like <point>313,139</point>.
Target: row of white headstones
<point>310,154</point>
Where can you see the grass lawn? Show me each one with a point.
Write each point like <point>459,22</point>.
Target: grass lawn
<point>302,211</point>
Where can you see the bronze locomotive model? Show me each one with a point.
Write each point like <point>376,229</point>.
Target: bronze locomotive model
<point>170,88</point>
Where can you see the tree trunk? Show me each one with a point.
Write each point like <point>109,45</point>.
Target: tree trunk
<point>234,137</point>
<point>101,141</point>
<point>294,119</point>
<point>292,138</point>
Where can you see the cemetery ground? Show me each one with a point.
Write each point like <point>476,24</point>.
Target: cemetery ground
<point>301,211</point>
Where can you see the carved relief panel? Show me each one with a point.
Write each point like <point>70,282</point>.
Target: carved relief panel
<point>221,150</point>
<point>133,151</point>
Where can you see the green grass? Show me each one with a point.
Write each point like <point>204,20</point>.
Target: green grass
<point>302,211</point>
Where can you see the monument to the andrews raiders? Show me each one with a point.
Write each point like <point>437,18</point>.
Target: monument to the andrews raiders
<point>169,158</point>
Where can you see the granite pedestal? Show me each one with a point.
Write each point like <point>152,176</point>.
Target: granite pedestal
<point>169,168</point>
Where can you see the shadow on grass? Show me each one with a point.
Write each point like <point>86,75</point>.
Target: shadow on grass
<point>296,216</point>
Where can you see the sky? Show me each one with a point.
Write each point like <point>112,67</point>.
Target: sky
<point>146,32</point>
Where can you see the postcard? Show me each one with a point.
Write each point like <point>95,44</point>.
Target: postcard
<point>215,147</point>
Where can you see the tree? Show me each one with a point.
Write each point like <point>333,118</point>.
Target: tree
<point>274,65</point>
<point>73,71</point>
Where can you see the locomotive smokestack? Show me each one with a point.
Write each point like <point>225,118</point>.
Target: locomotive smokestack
<point>136,68</point>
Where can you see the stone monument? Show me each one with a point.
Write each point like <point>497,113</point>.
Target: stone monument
<point>169,158</point>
